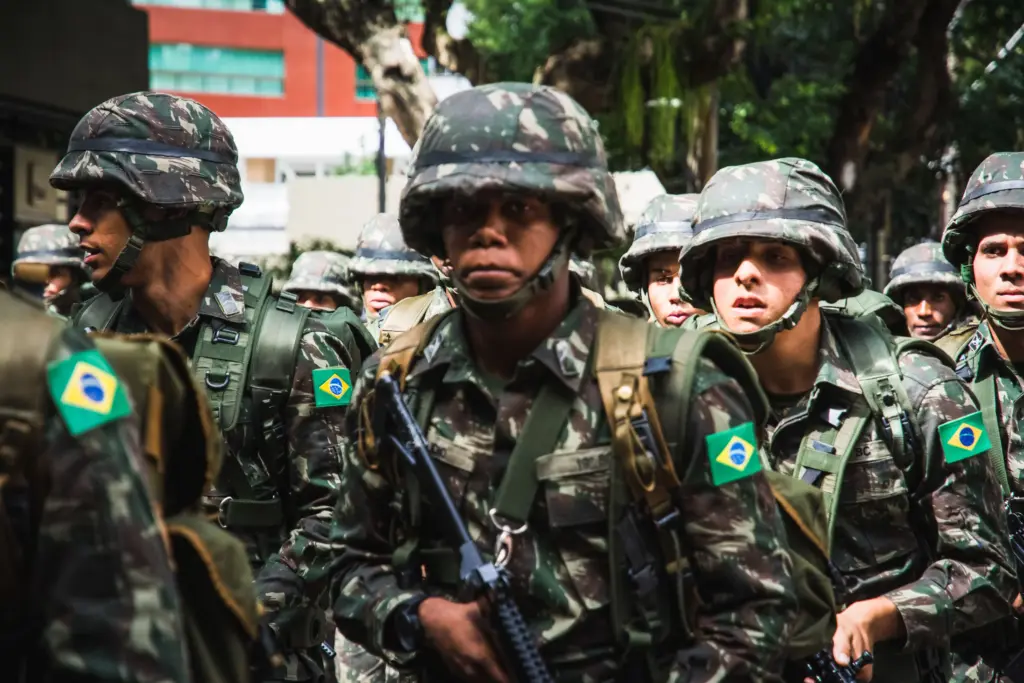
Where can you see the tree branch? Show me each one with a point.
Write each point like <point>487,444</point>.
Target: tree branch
<point>455,54</point>
<point>369,31</point>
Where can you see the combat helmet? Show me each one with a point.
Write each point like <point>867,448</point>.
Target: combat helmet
<point>513,137</point>
<point>48,245</point>
<point>665,224</point>
<point>156,150</point>
<point>922,264</point>
<point>996,185</point>
<point>323,271</point>
<point>789,200</point>
<point>381,250</point>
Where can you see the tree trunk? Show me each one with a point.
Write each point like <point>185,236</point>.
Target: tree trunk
<point>369,31</point>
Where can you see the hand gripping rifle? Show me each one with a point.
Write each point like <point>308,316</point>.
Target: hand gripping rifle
<point>478,578</point>
<point>822,667</point>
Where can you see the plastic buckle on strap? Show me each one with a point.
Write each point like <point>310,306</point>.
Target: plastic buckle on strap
<point>286,301</point>
<point>226,335</point>
<point>218,381</point>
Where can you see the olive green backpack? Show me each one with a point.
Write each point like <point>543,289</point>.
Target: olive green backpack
<point>647,626</point>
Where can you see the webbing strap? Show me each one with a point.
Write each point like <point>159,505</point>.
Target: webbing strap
<point>985,390</point>
<point>829,454</point>
<point>403,316</point>
<point>547,417</point>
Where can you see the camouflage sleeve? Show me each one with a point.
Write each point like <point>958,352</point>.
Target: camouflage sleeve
<point>365,589</point>
<point>970,580</point>
<point>110,611</point>
<point>737,545</point>
<point>295,578</point>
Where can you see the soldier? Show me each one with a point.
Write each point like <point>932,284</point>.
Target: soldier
<point>650,268</point>
<point>386,269</point>
<point>984,242</point>
<point>157,173</point>
<point>522,343</point>
<point>320,281</point>
<point>886,430</point>
<point>86,584</point>
<point>929,289</point>
<point>50,254</point>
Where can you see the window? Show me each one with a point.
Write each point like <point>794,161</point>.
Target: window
<point>364,82</point>
<point>203,69</point>
<point>271,6</point>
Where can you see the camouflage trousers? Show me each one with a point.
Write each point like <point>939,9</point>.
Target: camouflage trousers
<point>975,671</point>
<point>353,664</point>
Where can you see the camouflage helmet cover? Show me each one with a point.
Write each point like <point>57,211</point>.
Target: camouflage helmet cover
<point>997,184</point>
<point>162,149</point>
<point>922,264</point>
<point>790,200</point>
<point>511,136</point>
<point>321,271</point>
<point>665,224</point>
<point>51,244</point>
<point>381,250</point>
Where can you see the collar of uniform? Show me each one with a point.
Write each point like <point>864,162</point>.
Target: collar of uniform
<point>225,297</point>
<point>565,353</point>
<point>833,367</point>
<point>982,356</point>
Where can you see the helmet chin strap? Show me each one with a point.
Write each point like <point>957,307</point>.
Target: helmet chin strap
<point>111,283</point>
<point>1012,321</point>
<point>753,343</point>
<point>645,298</point>
<point>493,310</point>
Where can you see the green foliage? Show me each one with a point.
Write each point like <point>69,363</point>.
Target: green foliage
<point>281,268</point>
<point>517,36</point>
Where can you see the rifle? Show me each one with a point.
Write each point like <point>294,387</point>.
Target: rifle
<point>478,578</point>
<point>822,667</point>
<point>1014,669</point>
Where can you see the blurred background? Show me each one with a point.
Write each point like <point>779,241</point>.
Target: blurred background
<point>898,101</point>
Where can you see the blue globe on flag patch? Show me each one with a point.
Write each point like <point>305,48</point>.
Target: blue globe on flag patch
<point>92,387</point>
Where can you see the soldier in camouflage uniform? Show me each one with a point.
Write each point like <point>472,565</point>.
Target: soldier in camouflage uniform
<point>508,217</point>
<point>650,268</point>
<point>87,590</point>
<point>929,289</point>
<point>50,255</point>
<point>984,242</point>
<point>916,529</point>
<point>320,281</point>
<point>386,270</point>
<point>157,173</point>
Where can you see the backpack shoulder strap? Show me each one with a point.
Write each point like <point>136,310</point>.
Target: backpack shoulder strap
<point>403,316</point>
<point>98,313</point>
<point>955,341</point>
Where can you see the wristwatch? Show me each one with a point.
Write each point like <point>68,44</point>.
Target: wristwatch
<point>408,629</point>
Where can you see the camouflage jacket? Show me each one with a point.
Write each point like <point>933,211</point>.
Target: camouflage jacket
<point>560,565</point>
<point>931,537</point>
<point>981,360</point>
<point>103,588</point>
<point>309,478</point>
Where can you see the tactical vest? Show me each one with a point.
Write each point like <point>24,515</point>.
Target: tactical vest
<point>653,594</point>
<point>214,581</point>
<point>247,373</point>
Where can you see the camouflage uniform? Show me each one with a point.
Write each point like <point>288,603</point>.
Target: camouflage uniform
<point>928,534</point>
<point>924,264</point>
<point>281,473</point>
<point>100,599</point>
<point>996,185</point>
<point>52,245</point>
<point>666,224</point>
<point>324,271</point>
<point>560,567</point>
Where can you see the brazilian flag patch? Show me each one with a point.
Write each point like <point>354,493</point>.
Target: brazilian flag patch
<point>733,454</point>
<point>332,387</point>
<point>86,391</point>
<point>964,437</point>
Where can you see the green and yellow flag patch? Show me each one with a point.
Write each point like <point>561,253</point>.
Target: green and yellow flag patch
<point>332,387</point>
<point>733,454</point>
<point>86,391</point>
<point>964,437</point>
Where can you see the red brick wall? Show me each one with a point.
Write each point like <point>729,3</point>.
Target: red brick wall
<point>262,31</point>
